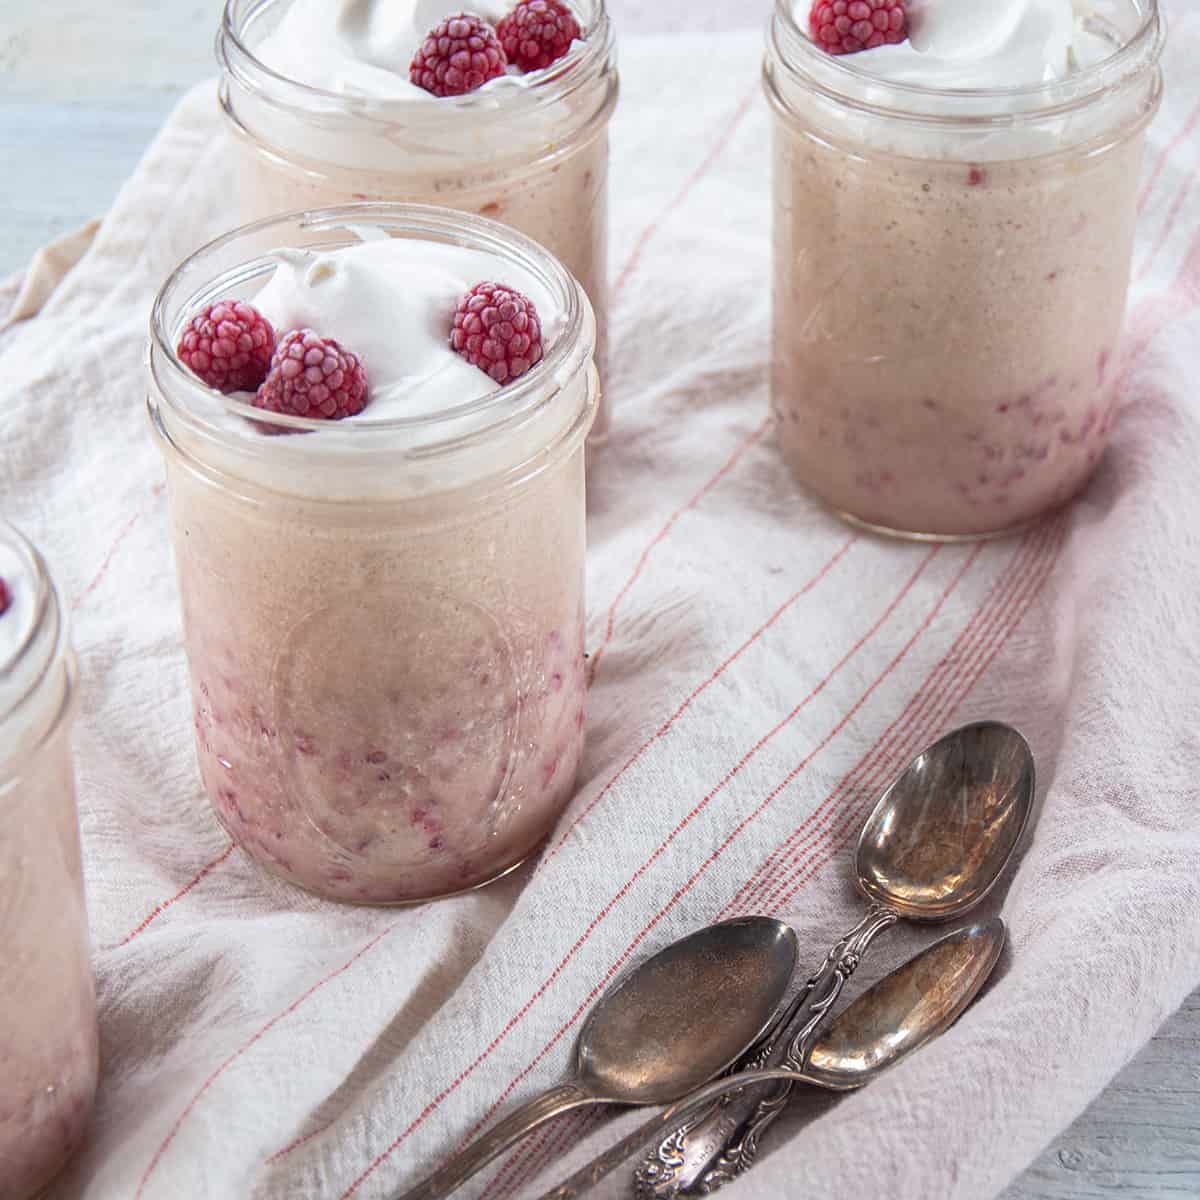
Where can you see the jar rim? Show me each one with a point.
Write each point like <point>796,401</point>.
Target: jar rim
<point>553,84</point>
<point>34,568</point>
<point>841,80</point>
<point>438,432</point>
<point>44,640</point>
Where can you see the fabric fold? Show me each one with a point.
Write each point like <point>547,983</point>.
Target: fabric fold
<point>760,673</point>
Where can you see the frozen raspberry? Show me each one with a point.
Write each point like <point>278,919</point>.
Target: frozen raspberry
<point>497,330</point>
<point>229,346</point>
<point>5,597</point>
<point>458,56</point>
<point>846,26</point>
<point>312,376</point>
<point>537,33</point>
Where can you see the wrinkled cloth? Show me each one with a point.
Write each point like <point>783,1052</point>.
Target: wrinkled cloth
<point>47,269</point>
<point>760,673</point>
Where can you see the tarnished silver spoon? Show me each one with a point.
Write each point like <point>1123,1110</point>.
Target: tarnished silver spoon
<point>904,1010</point>
<point>668,1026</point>
<point>936,843</point>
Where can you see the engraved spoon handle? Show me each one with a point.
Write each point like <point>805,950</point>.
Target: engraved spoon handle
<point>721,1142</point>
<point>507,1133</point>
<point>604,1164</point>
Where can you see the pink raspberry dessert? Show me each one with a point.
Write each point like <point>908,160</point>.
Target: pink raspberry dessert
<point>954,211</point>
<point>384,616</point>
<point>48,1033</point>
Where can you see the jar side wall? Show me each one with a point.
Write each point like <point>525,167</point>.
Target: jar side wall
<point>49,1048</point>
<point>387,709</point>
<point>386,471</point>
<point>945,333</point>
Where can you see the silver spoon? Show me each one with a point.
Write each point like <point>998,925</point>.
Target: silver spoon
<point>674,1022</point>
<point>904,1010</point>
<point>937,841</point>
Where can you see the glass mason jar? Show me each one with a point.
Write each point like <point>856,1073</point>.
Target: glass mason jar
<point>950,278</point>
<point>48,1037</point>
<point>383,619</point>
<point>534,157</point>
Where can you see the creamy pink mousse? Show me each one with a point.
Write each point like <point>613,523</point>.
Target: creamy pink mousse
<point>950,290</point>
<point>389,693</point>
<point>48,1039</point>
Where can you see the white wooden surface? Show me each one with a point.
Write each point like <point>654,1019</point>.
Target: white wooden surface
<point>84,86</point>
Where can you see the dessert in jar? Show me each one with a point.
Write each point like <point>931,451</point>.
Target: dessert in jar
<point>954,205</point>
<point>502,111</point>
<point>374,422</point>
<point>48,1040</point>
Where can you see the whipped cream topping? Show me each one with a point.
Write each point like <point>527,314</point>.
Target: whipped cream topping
<point>31,688</point>
<point>364,47</point>
<point>391,301</point>
<point>988,44</point>
<point>16,621</point>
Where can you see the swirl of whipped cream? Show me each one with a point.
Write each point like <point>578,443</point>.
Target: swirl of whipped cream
<point>988,44</point>
<point>364,47</point>
<point>391,301</point>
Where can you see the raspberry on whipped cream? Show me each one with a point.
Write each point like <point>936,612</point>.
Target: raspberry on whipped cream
<point>962,43</point>
<point>312,376</point>
<point>417,50</point>
<point>537,33</point>
<point>458,56</point>
<point>228,346</point>
<point>497,330</point>
<point>393,301</point>
<point>847,26</point>
<point>5,597</point>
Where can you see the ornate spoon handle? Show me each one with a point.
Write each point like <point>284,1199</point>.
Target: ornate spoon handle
<point>507,1133</point>
<point>720,1142</point>
<point>590,1175</point>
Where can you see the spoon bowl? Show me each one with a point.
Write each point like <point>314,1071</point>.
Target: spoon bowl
<point>687,1014</point>
<point>906,1009</point>
<point>943,832</point>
